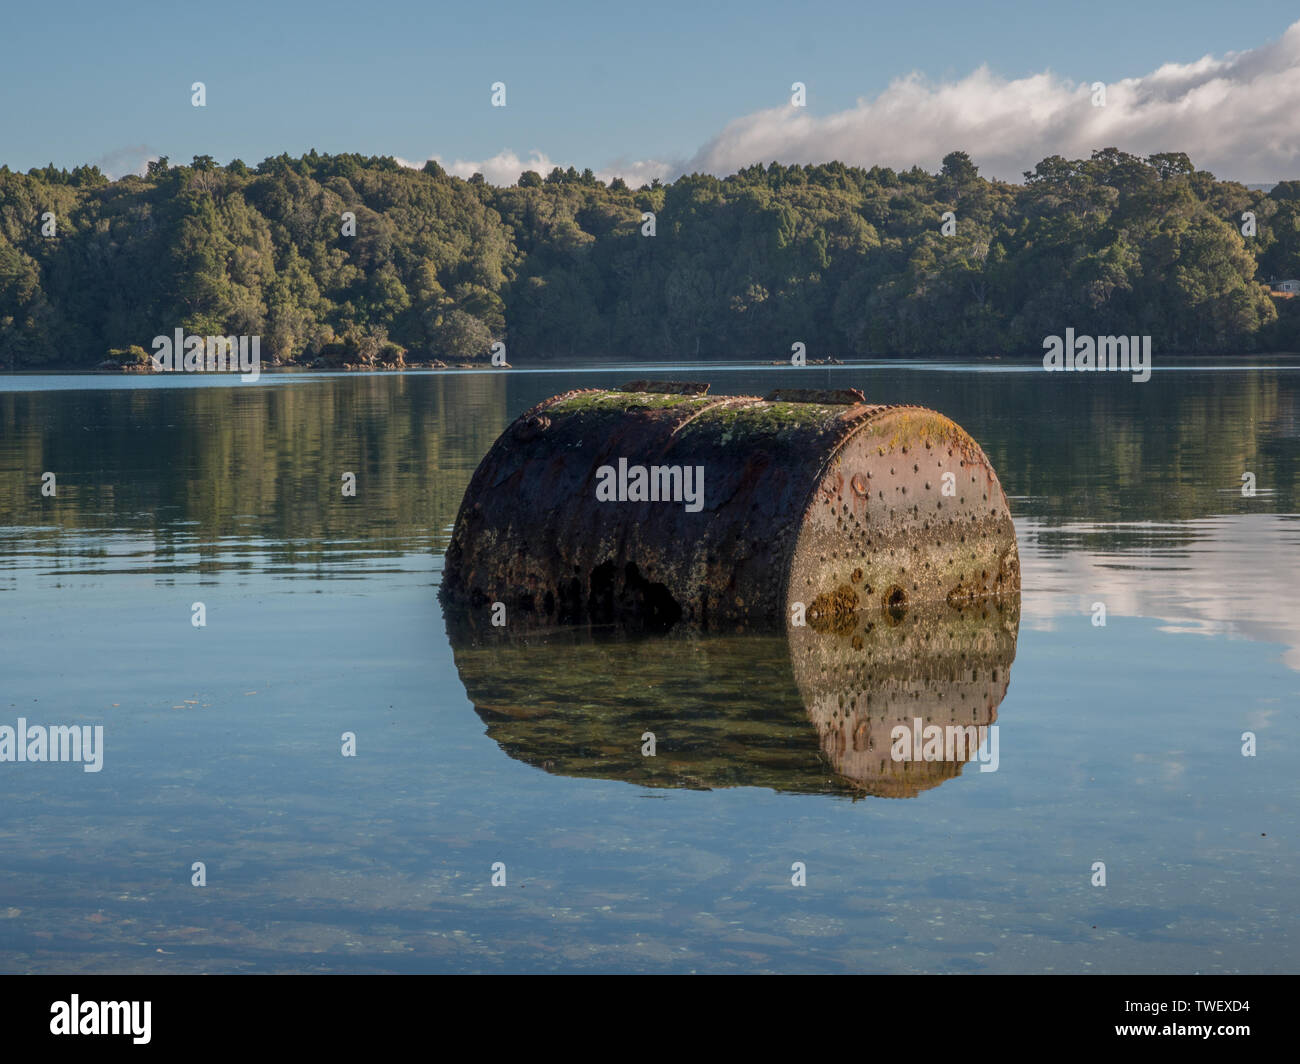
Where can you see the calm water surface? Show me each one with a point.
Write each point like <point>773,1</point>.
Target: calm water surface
<point>1120,744</point>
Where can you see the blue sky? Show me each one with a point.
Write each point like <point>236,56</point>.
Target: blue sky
<point>588,84</point>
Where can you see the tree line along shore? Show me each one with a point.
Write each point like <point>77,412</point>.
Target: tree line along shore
<point>348,261</point>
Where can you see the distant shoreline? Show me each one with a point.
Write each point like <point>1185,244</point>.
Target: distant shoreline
<point>1246,361</point>
<point>354,262</point>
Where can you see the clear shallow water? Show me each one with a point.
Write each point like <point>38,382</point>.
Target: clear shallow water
<point>1120,744</point>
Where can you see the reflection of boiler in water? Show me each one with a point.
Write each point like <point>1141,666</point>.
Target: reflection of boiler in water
<point>937,673</point>
<point>811,711</point>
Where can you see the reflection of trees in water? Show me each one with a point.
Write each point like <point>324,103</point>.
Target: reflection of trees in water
<point>809,712</point>
<point>265,460</point>
<point>1098,446</point>
<point>260,461</point>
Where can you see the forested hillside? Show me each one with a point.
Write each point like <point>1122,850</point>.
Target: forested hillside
<point>851,262</point>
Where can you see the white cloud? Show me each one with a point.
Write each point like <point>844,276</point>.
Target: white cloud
<point>640,172</point>
<point>1235,116</point>
<point>131,159</point>
<point>505,167</point>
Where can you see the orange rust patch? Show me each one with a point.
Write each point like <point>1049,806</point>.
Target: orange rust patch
<point>834,611</point>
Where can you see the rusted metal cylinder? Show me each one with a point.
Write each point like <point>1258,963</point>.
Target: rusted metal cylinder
<point>657,503</point>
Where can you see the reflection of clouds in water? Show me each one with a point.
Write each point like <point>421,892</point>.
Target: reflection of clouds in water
<point>1169,764</point>
<point>1260,719</point>
<point>1234,575</point>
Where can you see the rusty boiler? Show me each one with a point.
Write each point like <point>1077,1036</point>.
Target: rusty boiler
<point>657,503</point>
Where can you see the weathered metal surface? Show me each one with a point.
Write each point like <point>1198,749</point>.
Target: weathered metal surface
<point>827,396</point>
<point>666,387</point>
<point>817,499</point>
<point>806,711</point>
